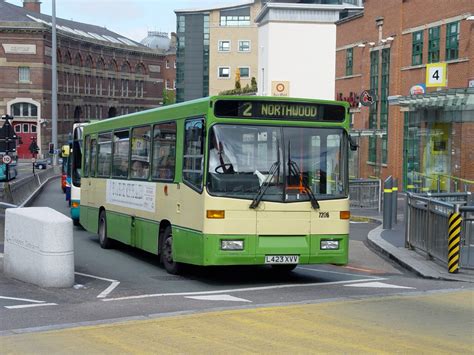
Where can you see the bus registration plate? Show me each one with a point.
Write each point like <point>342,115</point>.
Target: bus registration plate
<point>282,259</point>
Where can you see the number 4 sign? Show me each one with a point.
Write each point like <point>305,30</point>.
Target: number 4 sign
<point>436,74</point>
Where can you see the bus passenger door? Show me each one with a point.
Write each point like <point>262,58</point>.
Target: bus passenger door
<point>190,195</point>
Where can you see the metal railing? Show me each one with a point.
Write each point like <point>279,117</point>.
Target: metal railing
<point>427,224</point>
<point>365,193</point>
<point>421,183</point>
<point>467,237</point>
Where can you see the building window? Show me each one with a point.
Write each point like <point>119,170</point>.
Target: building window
<point>349,61</point>
<point>244,72</point>
<point>26,128</point>
<point>417,48</point>
<point>174,64</point>
<point>224,46</point>
<point>167,84</point>
<point>224,72</point>
<point>24,74</point>
<point>167,64</point>
<point>452,41</point>
<point>235,20</point>
<point>433,45</point>
<point>384,109</point>
<point>373,111</point>
<point>24,109</point>
<point>244,46</point>
<point>17,128</point>
<point>181,24</point>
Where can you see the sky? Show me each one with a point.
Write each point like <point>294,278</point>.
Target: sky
<point>130,18</point>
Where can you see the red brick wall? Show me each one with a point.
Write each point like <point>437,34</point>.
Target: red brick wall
<point>399,16</point>
<point>40,75</point>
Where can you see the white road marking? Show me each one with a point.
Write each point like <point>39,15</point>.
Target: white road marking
<point>21,299</point>
<point>219,298</point>
<point>334,272</point>
<point>109,289</point>
<point>31,305</point>
<point>379,285</point>
<point>263,288</point>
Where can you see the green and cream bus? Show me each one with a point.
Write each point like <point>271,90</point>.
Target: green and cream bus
<point>222,180</point>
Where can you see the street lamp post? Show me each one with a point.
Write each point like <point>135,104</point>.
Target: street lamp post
<point>54,94</point>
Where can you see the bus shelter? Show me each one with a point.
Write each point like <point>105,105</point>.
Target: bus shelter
<point>439,141</point>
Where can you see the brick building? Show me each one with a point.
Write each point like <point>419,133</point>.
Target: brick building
<point>160,42</point>
<point>101,74</point>
<point>416,59</point>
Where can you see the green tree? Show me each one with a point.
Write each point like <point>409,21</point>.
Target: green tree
<point>169,97</point>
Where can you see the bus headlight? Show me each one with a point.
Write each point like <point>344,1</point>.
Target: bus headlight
<point>329,244</point>
<point>232,245</point>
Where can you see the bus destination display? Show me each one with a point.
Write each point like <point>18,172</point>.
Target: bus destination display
<point>299,111</point>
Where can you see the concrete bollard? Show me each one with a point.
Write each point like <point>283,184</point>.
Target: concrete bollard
<point>39,247</point>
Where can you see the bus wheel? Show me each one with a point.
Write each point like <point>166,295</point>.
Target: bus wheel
<point>104,242</point>
<point>171,266</point>
<point>284,268</point>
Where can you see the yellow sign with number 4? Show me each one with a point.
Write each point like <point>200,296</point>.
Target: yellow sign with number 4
<point>435,74</point>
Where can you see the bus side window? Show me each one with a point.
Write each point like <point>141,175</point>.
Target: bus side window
<point>87,156</point>
<point>193,153</point>
<point>120,154</point>
<point>140,152</point>
<point>164,151</point>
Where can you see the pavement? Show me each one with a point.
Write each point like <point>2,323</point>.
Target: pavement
<point>391,243</point>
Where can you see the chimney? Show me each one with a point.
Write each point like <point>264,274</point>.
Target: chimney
<point>32,5</point>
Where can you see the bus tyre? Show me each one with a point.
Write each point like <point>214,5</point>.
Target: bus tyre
<point>284,268</point>
<point>171,266</point>
<point>104,242</point>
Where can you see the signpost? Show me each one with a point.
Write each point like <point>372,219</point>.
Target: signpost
<point>7,142</point>
<point>6,159</point>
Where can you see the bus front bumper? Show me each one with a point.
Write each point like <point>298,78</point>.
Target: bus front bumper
<point>258,250</point>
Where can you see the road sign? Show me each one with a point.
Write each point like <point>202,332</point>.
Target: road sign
<point>6,159</point>
<point>367,98</point>
<point>435,74</point>
<point>280,88</point>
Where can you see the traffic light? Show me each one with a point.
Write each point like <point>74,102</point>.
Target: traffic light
<point>51,148</point>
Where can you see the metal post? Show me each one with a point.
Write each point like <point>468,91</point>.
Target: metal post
<point>54,93</point>
<point>454,240</point>
<point>438,184</point>
<point>387,203</point>
<point>394,201</point>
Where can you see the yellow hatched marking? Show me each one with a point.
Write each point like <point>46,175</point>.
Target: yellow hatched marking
<point>453,252</point>
<point>455,232</point>
<point>453,242</point>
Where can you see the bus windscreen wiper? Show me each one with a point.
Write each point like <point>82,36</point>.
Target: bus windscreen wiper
<point>294,170</point>
<point>264,186</point>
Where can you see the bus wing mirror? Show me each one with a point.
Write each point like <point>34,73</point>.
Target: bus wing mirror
<point>352,143</point>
